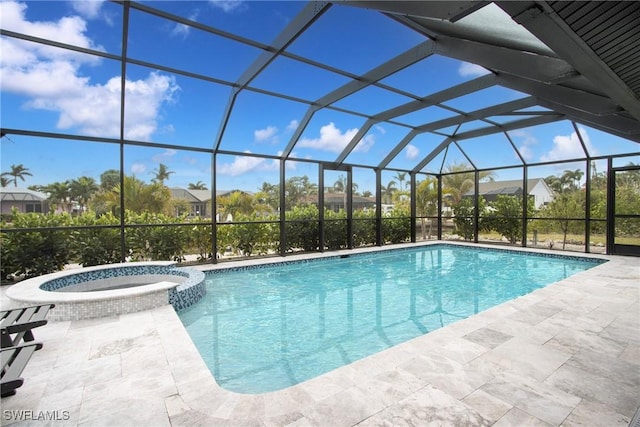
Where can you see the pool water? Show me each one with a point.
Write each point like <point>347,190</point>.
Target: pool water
<point>264,329</point>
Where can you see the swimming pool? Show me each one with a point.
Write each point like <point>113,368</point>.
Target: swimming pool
<point>265,328</point>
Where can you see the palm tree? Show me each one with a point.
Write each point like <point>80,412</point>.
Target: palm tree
<point>400,176</point>
<point>161,174</point>
<point>427,202</point>
<point>4,181</point>
<point>17,171</point>
<point>59,194</point>
<point>234,204</point>
<point>554,183</point>
<point>138,197</point>
<point>387,192</point>
<point>82,189</point>
<point>571,178</point>
<point>341,184</point>
<point>459,180</point>
<point>197,186</point>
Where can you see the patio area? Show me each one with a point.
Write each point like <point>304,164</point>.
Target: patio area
<point>567,354</point>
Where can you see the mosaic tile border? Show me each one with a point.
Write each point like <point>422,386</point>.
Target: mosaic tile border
<point>82,304</point>
<point>595,261</point>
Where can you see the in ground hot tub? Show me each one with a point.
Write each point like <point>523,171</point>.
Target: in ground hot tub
<point>111,290</point>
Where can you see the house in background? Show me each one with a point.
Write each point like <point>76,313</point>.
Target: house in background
<point>199,200</point>
<point>23,199</point>
<point>537,188</point>
<point>336,201</point>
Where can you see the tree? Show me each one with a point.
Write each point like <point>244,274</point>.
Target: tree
<point>197,186</point>
<point>341,184</point>
<point>387,192</point>
<point>269,195</point>
<point>564,208</point>
<point>427,202</point>
<point>297,189</point>
<point>17,171</point>
<point>59,193</point>
<point>138,197</point>
<point>162,173</point>
<point>109,179</point>
<point>506,216</point>
<point>82,189</point>
<point>234,204</point>
<point>456,182</point>
<point>400,176</point>
<point>464,216</point>
<point>571,179</point>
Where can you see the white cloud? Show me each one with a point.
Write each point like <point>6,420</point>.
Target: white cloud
<point>380,129</point>
<point>164,156</point>
<point>138,168</point>
<point>69,29</point>
<point>293,125</point>
<point>182,30</point>
<point>527,140</point>
<point>228,5</point>
<point>568,147</point>
<point>332,139</point>
<point>467,69</point>
<point>268,134</point>
<point>88,8</point>
<point>91,108</point>
<point>244,164</point>
<point>411,152</point>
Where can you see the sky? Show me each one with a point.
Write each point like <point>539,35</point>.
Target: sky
<point>53,90</point>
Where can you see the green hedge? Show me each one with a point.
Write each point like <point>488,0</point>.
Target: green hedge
<point>93,240</point>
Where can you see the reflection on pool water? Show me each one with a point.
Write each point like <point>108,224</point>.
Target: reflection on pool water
<point>264,329</point>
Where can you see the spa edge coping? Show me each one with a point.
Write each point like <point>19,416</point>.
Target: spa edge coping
<point>185,291</point>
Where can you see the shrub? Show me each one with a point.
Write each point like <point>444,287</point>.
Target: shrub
<point>34,253</point>
<point>95,246</point>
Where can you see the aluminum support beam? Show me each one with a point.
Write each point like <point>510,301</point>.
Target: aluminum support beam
<point>585,101</point>
<point>504,60</point>
<point>543,22</point>
<point>457,120</point>
<point>535,121</point>
<point>405,59</point>
<point>444,144</point>
<point>449,10</point>
<point>312,11</point>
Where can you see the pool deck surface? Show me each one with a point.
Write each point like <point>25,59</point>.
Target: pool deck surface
<point>564,355</point>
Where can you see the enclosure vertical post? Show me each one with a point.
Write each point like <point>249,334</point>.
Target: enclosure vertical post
<point>587,208</point>
<point>123,82</point>
<point>378,207</point>
<point>321,207</point>
<point>214,210</point>
<point>525,205</point>
<point>349,208</point>
<point>439,178</point>
<point>611,210</point>
<point>476,206</point>
<point>283,208</point>
<point>413,215</point>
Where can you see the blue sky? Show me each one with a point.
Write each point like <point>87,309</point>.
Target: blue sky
<point>52,90</point>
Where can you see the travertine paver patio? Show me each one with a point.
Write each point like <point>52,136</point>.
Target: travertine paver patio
<point>568,354</point>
